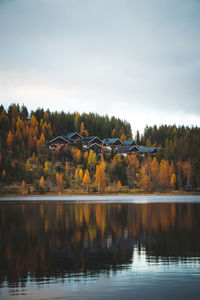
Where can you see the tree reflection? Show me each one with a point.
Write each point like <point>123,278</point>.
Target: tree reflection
<point>54,240</point>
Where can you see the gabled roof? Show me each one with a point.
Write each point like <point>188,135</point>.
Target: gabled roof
<point>127,148</point>
<point>111,141</point>
<point>129,142</point>
<point>56,138</point>
<point>89,139</point>
<point>94,144</point>
<point>147,149</point>
<point>70,135</point>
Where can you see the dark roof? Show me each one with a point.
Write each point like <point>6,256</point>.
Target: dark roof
<point>89,139</point>
<point>70,135</point>
<point>56,138</point>
<point>129,142</point>
<point>126,148</point>
<point>147,149</point>
<point>94,144</point>
<point>111,141</point>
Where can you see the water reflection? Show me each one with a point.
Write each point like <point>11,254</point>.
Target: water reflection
<point>41,241</point>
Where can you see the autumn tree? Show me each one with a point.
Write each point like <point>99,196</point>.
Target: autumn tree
<point>59,180</point>
<point>171,169</point>
<point>83,131</point>
<point>143,179</point>
<point>46,168</point>
<point>9,139</point>
<point>23,186</point>
<point>4,174</point>
<point>86,180</point>
<point>173,180</point>
<point>92,161</point>
<point>42,181</point>
<point>100,176</point>
<point>78,176</point>
<point>28,166</point>
<point>155,173</point>
<point>119,185</point>
<point>76,154</point>
<point>123,137</point>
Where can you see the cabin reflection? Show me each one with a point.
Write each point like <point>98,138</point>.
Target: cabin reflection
<point>55,240</point>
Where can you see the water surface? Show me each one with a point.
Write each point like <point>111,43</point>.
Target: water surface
<point>93,249</point>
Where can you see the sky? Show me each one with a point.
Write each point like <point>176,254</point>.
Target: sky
<point>136,60</point>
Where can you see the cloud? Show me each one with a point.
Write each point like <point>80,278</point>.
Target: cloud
<point>139,60</point>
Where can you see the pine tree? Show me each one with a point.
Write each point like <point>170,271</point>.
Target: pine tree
<point>77,121</point>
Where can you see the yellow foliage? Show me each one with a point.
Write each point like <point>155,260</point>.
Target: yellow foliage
<point>100,177</point>
<point>9,139</point>
<point>76,153</point>
<point>23,185</point>
<point>59,180</point>
<point>164,174</point>
<point>42,181</point>
<point>119,185</point>
<point>4,173</point>
<point>83,131</point>
<point>123,137</point>
<point>113,133</point>
<point>171,169</point>
<point>46,169</point>
<point>144,179</point>
<point>92,161</point>
<point>85,156</point>
<point>42,139</point>
<point>81,174</point>
<point>173,180</point>
<point>28,166</point>
<point>86,180</point>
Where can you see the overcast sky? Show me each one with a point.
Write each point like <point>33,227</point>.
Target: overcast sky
<point>137,60</point>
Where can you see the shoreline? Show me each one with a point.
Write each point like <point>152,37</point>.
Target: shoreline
<point>59,194</point>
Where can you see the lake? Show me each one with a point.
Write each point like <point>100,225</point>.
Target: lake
<point>100,247</point>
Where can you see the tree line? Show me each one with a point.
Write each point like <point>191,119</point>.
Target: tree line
<point>25,158</point>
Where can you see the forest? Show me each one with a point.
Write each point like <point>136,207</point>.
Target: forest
<point>28,166</point>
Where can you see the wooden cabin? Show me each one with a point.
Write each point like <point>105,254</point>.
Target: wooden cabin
<point>86,141</point>
<point>72,137</point>
<point>144,150</point>
<point>112,143</point>
<point>57,141</point>
<point>98,148</point>
<point>127,150</point>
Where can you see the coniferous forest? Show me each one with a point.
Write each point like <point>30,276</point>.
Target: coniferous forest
<point>29,166</point>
